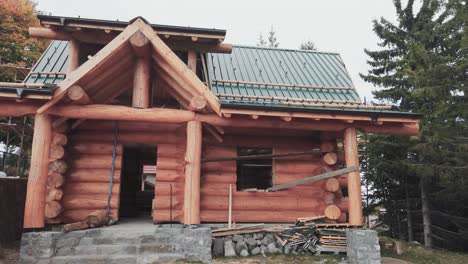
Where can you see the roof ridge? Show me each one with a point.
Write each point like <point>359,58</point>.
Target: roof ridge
<point>285,49</point>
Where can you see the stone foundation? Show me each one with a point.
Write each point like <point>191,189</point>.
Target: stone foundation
<point>251,244</point>
<point>114,245</point>
<point>363,246</point>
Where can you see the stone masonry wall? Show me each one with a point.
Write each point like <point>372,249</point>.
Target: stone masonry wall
<point>363,246</point>
<point>107,245</point>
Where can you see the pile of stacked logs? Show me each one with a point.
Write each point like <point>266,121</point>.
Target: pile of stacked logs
<point>57,167</point>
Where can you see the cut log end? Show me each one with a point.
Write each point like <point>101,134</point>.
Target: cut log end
<point>52,209</point>
<point>78,95</point>
<point>197,103</point>
<point>332,185</point>
<point>330,158</point>
<point>55,180</point>
<point>332,212</point>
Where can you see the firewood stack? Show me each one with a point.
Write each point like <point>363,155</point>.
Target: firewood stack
<point>57,167</point>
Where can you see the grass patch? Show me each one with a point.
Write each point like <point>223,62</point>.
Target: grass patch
<point>416,253</point>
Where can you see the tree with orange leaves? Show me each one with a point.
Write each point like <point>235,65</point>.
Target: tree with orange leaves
<point>16,48</point>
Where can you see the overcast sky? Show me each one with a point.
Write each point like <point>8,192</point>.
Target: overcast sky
<point>343,26</point>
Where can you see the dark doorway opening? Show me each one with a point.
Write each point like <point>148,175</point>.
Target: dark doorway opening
<point>135,196</point>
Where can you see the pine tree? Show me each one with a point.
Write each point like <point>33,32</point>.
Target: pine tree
<point>261,41</point>
<point>272,39</point>
<point>421,67</point>
<point>308,45</point>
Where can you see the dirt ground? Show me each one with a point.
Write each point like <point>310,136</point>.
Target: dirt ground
<point>9,254</point>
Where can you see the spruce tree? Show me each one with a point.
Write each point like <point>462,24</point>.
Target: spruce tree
<point>421,67</point>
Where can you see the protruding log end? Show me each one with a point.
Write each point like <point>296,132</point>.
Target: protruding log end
<point>328,146</point>
<point>59,139</point>
<point>55,180</point>
<point>78,95</point>
<point>58,166</point>
<point>332,185</point>
<point>140,44</point>
<point>197,103</point>
<point>52,209</point>
<point>56,152</point>
<point>332,212</point>
<point>330,158</point>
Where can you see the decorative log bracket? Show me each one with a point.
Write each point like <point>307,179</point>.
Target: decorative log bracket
<point>312,179</point>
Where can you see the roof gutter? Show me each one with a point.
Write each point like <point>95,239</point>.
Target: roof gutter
<point>374,114</point>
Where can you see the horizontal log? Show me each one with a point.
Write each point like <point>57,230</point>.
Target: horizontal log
<point>95,162</point>
<point>217,151</point>
<point>162,216</point>
<point>281,178</point>
<point>91,188</point>
<point>329,198</point>
<point>123,113</point>
<point>297,167</point>
<point>94,148</point>
<point>306,192</point>
<point>71,216</point>
<point>164,202</point>
<point>314,178</point>
<point>92,175</point>
<point>329,158</point>
<point>263,156</point>
<point>125,137</point>
<point>169,164</point>
<point>261,203</point>
<point>255,216</point>
<point>213,177</point>
<point>81,203</point>
<point>164,189</point>
<point>60,125</point>
<point>199,47</point>
<point>129,126</point>
<point>225,166</point>
<point>169,175</point>
<point>46,33</point>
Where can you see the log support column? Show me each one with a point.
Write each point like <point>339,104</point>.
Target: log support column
<point>38,173</point>
<point>354,178</point>
<point>73,55</point>
<point>142,78</point>
<point>192,173</point>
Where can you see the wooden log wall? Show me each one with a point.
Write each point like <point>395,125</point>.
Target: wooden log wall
<point>91,149</point>
<point>168,204</point>
<point>311,199</point>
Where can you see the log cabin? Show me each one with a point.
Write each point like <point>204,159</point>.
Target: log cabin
<point>227,133</point>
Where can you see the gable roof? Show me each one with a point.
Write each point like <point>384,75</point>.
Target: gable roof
<point>108,69</point>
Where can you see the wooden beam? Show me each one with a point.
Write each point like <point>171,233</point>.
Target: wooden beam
<point>197,104</point>
<point>37,32</point>
<point>286,118</point>
<point>78,95</point>
<point>117,112</point>
<point>312,179</point>
<point>192,61</point>
<point>354,179</point>
<point>142,83</point>
<point>73,55</point>
<point>34,211</point>
<point>192,173</point>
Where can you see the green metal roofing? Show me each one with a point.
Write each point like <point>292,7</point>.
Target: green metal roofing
<point>279,66</point>
<point>53,60</point>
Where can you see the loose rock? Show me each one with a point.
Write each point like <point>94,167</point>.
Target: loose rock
<point>244,253</point>
<point>273,249</point>
<point>237,238</point>
<point>255,251</point>
<point>218,247</point>
<point>241,245</point>
<point>229,249</point>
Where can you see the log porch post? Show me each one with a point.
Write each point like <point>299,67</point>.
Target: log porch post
<point>142,78</point>
<point>192,173</point>
<point>37,181</point>
<point>73,55</point>
<point>354,178</point>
